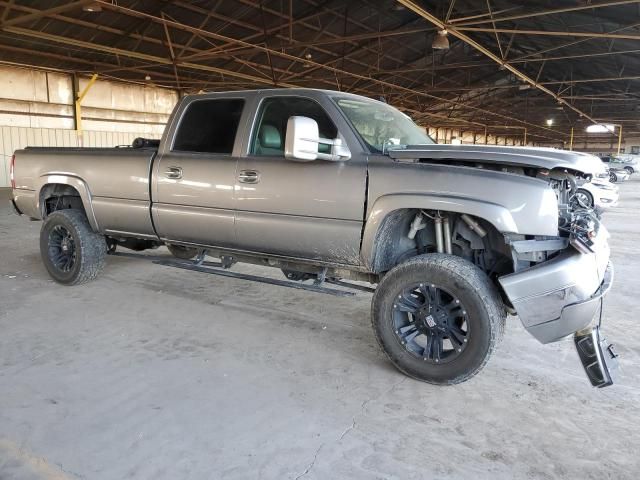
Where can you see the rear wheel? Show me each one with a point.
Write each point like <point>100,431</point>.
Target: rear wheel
<point>182,252</point>
<point>71,252</point>
<point>629,170</point>
<point>438,318</point>
<point>613,177</point>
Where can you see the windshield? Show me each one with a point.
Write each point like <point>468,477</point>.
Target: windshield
<point>381,126</point>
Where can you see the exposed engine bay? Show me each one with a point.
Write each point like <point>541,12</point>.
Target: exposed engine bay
<point>499,254</point>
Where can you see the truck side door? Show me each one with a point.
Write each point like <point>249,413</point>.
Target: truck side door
<point>310,210</point>
<point>194,177</point>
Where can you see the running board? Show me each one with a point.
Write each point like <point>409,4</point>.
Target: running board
<point>212,268</point>
<point>354,286</point>
<point>162,258</point>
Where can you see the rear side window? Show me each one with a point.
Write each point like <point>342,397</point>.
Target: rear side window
<point>209,126</point>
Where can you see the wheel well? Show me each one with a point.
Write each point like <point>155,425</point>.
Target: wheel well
<point>393,245</point>
<point>56,196</point>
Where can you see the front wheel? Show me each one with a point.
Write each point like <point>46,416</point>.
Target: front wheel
<point>438,318</point>
<point>71,252</point>
<point>613,178</point>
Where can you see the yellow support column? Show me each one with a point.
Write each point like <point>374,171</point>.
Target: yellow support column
<point>619,138</point>
<point>81,96</point>
<point>571,140</point>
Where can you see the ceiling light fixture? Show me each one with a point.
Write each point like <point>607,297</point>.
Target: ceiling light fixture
<point>601,128</point>
<point>549,122</point>
<point>440,41</point>
<point>93,7</point>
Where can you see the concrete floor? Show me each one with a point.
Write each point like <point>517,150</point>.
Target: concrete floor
<point>155,373</point>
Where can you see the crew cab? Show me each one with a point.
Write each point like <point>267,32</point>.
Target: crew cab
<point>329,185</point>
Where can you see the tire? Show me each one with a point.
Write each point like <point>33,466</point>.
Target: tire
<point>585,197</point>
<point>71,252</point>
<point>479,317</point>
<point>613,178</point>
<point>630,170</point>
<point>182,252</point>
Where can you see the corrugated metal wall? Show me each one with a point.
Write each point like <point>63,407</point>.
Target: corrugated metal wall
<point>15,138</point>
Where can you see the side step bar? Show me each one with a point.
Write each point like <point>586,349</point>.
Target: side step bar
<point>213,268</point>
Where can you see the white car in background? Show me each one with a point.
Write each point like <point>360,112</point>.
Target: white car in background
<point>597,193</point>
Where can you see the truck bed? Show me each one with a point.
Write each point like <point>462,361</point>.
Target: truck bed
<point>115,179</point>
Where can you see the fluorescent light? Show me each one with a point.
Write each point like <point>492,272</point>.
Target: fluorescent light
<point>601,128</point>
<point>440,42</point>
<point>93,7</point>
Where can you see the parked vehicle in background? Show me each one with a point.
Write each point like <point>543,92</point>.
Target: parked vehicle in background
<point>330,186</point>
<point>621,161</point>
<point>617,175</point>
<point>597,194</point>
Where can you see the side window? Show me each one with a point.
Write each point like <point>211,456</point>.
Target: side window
<point>271,127</point>
<point>209,126</point>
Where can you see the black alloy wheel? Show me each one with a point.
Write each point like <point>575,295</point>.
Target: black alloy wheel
<point>431,323</point>
<point>62,248</point>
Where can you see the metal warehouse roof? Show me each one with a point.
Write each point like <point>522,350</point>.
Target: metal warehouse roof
<point>510,66</point>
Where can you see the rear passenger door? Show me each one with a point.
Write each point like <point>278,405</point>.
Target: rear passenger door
<point>194,176</point>
<point>308,210</point>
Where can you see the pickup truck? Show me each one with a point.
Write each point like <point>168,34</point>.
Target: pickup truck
<point>329,185</point>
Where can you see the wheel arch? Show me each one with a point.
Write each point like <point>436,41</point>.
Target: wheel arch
<point>391,214</point>
<point>59,185</point>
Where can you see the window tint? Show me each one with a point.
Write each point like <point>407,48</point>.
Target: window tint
<point>269,134</point>
<point>209,126</point>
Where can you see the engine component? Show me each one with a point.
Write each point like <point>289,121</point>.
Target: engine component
<point>473,225</point>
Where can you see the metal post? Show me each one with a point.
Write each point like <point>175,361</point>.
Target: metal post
<point>525,136</point>
<point>619,139</point>
<point>571,140</point>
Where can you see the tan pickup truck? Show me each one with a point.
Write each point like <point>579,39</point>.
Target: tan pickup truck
<point>332,187</point>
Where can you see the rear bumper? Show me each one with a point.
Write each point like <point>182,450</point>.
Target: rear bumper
<point>24,202</point>
<point>16,210</point>
<point>560,297</point>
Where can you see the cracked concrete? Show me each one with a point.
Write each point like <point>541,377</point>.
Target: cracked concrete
<point>150,372</point>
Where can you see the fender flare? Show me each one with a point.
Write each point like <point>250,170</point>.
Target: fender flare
<point>73,181</point>
<point>499,216</point>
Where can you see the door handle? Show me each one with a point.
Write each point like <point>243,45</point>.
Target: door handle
<point>249,176</point>
<point>173,172</point>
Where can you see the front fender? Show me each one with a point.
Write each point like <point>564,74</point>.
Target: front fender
<point>53,178</point>
<point>497,215</point>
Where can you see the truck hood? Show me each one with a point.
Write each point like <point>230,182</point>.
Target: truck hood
<point>548,158</point>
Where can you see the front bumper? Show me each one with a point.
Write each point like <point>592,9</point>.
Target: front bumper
<point>605,197</point>
<point>561,296</point>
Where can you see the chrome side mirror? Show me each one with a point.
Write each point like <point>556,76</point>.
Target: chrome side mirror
<point>302,140</point>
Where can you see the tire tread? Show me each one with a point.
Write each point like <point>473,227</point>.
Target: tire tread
<point>483,286</point>
<point>92,245</point>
